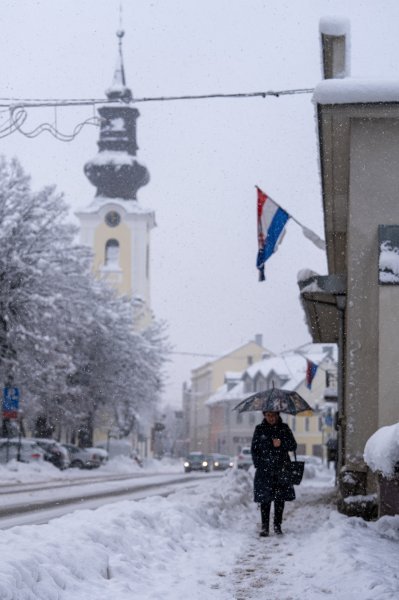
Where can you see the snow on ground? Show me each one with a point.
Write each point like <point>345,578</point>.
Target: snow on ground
<point>17,472</point>
<point>203,543</point>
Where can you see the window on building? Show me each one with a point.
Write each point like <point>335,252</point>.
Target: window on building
<point>239,418</point>
<point>317,450</point>
<point>251,418</point>
<point>248,385</point>
<point>112,253</point>
<point>293,424</point>
<point>307,423</point>
<point>320,423</point>
<point>260,383</point>
<point>250,360</point>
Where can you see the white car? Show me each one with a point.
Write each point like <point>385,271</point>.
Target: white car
<point>101,453</point>
<point>83,458</point>
<point>26,450</point>
<point>244,459</point>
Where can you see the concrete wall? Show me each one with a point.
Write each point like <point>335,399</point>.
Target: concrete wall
<point>371,340</point>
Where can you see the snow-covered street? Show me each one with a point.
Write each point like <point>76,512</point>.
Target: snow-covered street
<point>203,543</point>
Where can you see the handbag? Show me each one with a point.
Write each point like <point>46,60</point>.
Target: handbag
<point>297,468</point>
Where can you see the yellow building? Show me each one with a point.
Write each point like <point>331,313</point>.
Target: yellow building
<point>230,431</point>
<point>206,379</point>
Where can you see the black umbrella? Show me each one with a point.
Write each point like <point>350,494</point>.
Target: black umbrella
<point>274,400</point>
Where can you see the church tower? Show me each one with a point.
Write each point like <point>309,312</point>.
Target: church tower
<point>115,225</point>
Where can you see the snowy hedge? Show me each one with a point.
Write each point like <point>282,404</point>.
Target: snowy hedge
<point>381,452</point>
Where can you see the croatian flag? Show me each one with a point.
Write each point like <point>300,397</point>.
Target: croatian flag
<point>311,369</point>
<point>271,223</point>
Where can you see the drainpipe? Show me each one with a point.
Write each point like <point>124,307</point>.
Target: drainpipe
<point>341,305</point>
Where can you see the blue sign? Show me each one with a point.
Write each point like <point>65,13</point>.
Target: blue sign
<point>10,399</point>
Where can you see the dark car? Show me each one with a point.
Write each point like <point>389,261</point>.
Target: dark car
<point>54,452</point>
<point>197,461</point>
<point>221,462</point>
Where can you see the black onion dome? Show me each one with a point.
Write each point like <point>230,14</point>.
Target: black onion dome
<point>114,171</point>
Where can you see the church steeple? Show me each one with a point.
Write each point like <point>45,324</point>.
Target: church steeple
<point>114,170</point>
<point>119,89</point>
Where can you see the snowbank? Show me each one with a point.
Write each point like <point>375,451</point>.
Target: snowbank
<point>128,549</point>
<point>381,452</point>
<point>19,472</point>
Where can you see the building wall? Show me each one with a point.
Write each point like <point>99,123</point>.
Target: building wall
<point>205,380</point>
<point>371,340</point>
<point>132,278</point>
<point>311,431</point>
<point>230,431</point>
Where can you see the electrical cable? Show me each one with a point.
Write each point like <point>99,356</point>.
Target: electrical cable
<point>42,102</point>
<point>18,107</point>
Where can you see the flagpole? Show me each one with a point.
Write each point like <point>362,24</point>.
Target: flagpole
<point>273,200</point>
<point>290,215</point>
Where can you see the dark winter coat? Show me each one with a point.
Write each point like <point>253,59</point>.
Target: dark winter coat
<point>272,477</point>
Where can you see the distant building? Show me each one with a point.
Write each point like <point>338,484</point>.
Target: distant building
<point>230,430</point>
<point>205,380</point>
<point>114,224</point>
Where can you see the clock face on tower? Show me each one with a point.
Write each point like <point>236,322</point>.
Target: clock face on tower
<point>112,218</point>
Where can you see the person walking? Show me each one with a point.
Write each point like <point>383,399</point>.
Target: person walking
<point>271,442</point>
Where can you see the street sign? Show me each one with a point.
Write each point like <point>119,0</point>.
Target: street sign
<point>10,403</point>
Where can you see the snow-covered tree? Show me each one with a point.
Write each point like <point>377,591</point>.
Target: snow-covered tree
<point>65,338</point>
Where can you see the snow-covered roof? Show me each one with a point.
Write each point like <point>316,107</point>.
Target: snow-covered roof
<point>290,365</point>
<point>113,157</point>
<point>129,206</point>
<point>355,91</point>
<point>330,392</point>
<point>218,396</point>
<point>232,375</point>
<point>224,395</point>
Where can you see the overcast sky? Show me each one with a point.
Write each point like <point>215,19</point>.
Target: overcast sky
<point>204,156</point>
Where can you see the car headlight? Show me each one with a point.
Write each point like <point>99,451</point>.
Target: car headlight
<point>205,463</point>
<point>216,464</point>
<point>231,464</point>
<point>186,464</point>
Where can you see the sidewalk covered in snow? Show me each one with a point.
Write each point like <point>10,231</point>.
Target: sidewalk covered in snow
<point>203,543</point>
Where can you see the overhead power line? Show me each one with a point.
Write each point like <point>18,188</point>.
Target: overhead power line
<point>17,108</point>
<point>43,102</point>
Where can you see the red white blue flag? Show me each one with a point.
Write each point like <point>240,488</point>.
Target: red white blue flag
<point>311,369</point>
<point>271,223</point>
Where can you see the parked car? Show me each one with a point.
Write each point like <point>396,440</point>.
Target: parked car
<point>221,462</point>
<point>29,451</point>
<point>54,452</point>
<point>244,459</point>
<point>117,448</point>
<point>101,453</point>
<point>197,461</point>
<point>83,458</point>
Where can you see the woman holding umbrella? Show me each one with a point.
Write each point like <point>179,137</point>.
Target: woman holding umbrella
<point>271,442</point>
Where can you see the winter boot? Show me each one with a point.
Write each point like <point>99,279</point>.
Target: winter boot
<point>278,516</point>
<point>265,514</point>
